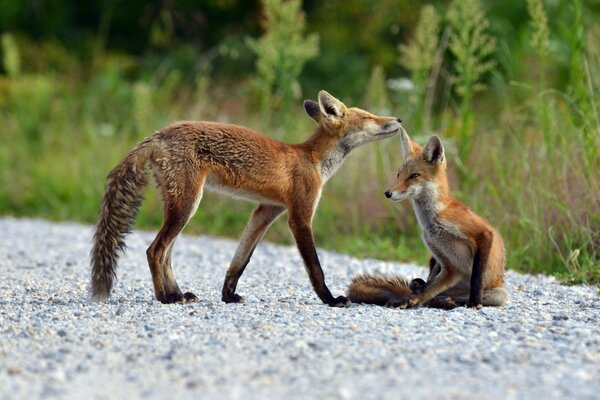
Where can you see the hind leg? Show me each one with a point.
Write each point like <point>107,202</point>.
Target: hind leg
<point>178,210</point>
<point>444,302</point>
<point>459,297</point>
<point>495,297</point>
<point>165,286</point>
<point>189,297</point>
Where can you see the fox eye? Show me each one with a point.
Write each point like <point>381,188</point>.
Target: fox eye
<point>414,176</point>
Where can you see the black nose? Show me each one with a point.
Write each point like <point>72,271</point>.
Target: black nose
<point>388,193</point>
<point>399,119</point>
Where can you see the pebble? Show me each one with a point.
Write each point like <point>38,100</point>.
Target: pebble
<point>282,342</point>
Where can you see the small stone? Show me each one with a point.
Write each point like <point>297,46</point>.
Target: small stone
<point>59,376</point>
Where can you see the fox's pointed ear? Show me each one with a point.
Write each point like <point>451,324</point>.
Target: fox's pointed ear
<point>409,146</point>
<point>312,109</point>
<point>434,151</point>
<point>330,106</point>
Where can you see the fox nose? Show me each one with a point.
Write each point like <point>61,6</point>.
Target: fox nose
<point>388,193</point>
<point>399,119</point>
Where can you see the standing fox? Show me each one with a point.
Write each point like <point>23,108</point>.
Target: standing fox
<point>467,266</point>
<point>187,156</point>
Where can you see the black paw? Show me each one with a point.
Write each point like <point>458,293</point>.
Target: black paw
<point>402,303</point>
<point>190,297</point>
<point>172,298</point>
<point>178,297</point>
<point>232,298</point>
<point>475,306</point>
<point>417,285</point>
<point>445,303</point>
<point>397,303</point>
<point>340,301</point>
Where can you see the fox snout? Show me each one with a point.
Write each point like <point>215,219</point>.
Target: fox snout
<point>396,194</point>
<point>393,124</point>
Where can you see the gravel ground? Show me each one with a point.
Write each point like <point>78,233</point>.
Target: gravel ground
<point>282,342</point>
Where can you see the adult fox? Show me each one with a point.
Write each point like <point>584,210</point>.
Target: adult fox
<point>468,260</point>
<point>187,156</point>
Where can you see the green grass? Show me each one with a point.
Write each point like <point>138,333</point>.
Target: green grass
<point>531,167</point>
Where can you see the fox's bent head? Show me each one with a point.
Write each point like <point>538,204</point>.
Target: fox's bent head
<point>351,127</point>
<point>423,169</point>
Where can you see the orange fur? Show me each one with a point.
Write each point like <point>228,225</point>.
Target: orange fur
<point>188,156</point>
<point>468,253</point>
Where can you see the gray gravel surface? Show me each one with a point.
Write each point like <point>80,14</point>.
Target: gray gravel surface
<point>282,342</point>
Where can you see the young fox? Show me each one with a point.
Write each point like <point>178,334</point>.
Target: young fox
<point>467,266</point>
<point>188,156</point>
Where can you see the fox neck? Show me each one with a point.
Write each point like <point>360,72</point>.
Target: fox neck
<point>327,152</point>
<point>433,198</point>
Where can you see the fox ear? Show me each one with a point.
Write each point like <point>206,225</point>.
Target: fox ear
<point>312,109</point>
<point>409,146</point>
<point>434,151</point>
<point>330,106</point>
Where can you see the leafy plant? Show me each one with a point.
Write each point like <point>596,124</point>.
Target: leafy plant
<point>376,98</point>
<point>281,54</point>
<point>11,55</point>
<point>419,57</point>
<point>472,48</point>
<point>540,38</point>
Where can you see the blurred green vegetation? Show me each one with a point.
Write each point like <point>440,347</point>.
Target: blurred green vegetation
<point>511,86</point>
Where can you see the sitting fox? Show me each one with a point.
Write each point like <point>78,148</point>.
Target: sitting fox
<point>468,260</point>
<point>188,156</point>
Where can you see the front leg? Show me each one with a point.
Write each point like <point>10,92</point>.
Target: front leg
<point>417,285</point>
<point>302,232</point>
<point>444,279</point>
<point>479,263</point>
<point>261,219</point>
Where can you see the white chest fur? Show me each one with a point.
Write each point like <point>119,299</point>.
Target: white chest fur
<point>332,162</point>
<point>444,239</point>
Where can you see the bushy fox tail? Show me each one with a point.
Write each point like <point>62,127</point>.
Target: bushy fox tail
<point>121,201</point>
<point>378,289</point>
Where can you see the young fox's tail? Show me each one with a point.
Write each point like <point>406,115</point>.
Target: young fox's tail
<point>378,289</point>
<point>121,201</point>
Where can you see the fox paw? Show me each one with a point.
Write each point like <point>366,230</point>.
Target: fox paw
<point>417,285</point>
<point>180,298</point>
<point>340,301</point>
<point>232,298</point>
<point>475,306</point>
<point>403,303</point>
<point>396,304</point>
<point>190,297</point>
